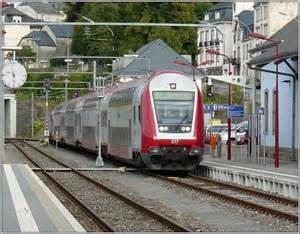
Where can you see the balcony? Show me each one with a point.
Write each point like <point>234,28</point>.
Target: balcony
<point>201,44</point>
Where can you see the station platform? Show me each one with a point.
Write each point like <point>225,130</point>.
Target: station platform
<point>29,206</point>
<point>262,175</point>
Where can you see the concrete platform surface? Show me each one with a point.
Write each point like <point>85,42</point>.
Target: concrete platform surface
<point>241,170</point>
<point>29,206</point>
<point>287,168</point>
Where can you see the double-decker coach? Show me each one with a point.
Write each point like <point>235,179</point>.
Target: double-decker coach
<point>156,122</point>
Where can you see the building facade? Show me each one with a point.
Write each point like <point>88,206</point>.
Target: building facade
<point>42,11</point>
<point>288,111</point>
<point>271,16</point>
<point>217,32</point>
<point>14,33</point>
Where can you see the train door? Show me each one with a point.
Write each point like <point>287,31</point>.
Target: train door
<point>62,128</point>
<point>130,138</point>
<point>109,137</point>
<point>77,127</point>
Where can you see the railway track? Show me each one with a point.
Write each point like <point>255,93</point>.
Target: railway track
<point>89,212</point>
<point>164,221</point>
<point>276,206</point>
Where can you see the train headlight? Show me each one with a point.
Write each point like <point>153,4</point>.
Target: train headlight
<point>187,129</point>
<point>166,128</point>
<point>161,128</point>
<point>183,129</point>
<point>155,150</point>
<point>196,151</point>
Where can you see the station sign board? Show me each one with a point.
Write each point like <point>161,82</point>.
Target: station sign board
<point>236,111</point>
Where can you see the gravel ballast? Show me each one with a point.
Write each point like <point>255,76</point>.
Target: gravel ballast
<point>212,214</point>
<point>121,216</point>
<point>82,218</point>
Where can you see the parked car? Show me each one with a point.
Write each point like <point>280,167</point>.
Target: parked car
<point>239,133</point>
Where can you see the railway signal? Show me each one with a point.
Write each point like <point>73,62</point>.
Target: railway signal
<point>76,93</point>
<point>46,86</point>
<point>209,90</point>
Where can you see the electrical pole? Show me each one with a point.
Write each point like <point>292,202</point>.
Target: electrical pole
<point>66,88</point>
<point>1,105</point>
<point>100,94</point>
<point>32,115</point>
<point>94,74</point>
<point>253,122</point>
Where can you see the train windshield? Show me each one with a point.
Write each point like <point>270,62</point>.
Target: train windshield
<point>174,107</point>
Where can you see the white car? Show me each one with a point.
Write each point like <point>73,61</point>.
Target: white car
<point>238,133</point>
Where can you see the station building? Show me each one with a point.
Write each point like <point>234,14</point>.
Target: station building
<point>288,92</point>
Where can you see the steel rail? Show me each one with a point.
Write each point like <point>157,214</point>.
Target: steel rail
<point>68,194</point>
<point>9,139</point>
<point>268,196</point>
<point>228,198</point>
<point>160,218</point>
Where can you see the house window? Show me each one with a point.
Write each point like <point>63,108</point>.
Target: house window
<point>265,30</point>
<point>257,14</point>
<point>212,35</point>
<point>234,38</point>
<point>273,111</point>
<point>17,19</point>
<point>206,17</point>
<point>202,36</point>
<point>266,114</point>
<point>218,56</point>
<point>257,29</point>
<point>238,52</point>
<point>247,53</point>
<point>265,11</point>
<point>206,35</point>
<point>217,15</point>
<point>244,52</point>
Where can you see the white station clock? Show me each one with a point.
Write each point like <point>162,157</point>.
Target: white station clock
<point>14,75</point>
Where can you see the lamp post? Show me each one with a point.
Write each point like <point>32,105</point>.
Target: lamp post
<point>262,37</point>
<point>206,62</point>
<point>188,65</point>
<point>213,51</point>
<point>193,67</point>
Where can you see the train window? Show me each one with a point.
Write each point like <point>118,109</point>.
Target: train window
<point>123,97</point>
<point>174,107</point>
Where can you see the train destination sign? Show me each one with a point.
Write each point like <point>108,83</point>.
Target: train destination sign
<point>173,95</point>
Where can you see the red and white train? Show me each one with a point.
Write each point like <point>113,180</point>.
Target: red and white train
<point>156,122</point>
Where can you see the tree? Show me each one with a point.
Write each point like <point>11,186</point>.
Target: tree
<point>25,52</point>
<point>98,40</point>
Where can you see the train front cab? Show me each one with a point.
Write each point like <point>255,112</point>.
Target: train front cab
<point>172,123</point>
